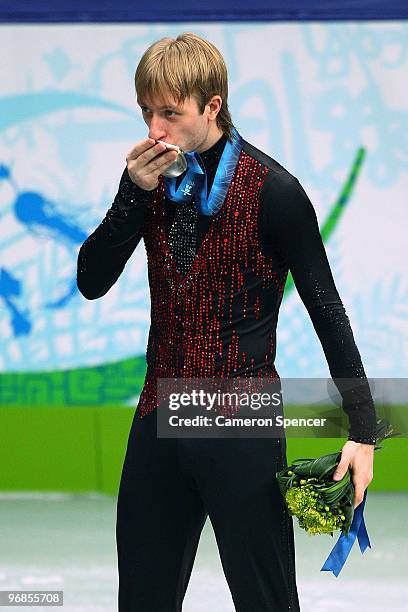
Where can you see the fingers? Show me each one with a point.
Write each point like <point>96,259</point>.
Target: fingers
<point>360,483</point>
<point>144,156</point>
<point>341,468</point>
<point>161,161</point>
<point>147,160</point>
<point>147,156</point>
<point>145,152</point>
<point>140,148</point>
<point>358,495</point>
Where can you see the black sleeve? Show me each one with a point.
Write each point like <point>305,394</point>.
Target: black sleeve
<point>289,227</point>
<point>103,255</point>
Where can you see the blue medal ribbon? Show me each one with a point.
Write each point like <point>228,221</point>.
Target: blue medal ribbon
<point>194,182</point>
<point>337,558</point>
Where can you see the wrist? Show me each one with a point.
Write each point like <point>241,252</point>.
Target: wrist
<point>370,440</point>
<point>131,192</point>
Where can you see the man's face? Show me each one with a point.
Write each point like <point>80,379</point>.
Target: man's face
<point>178,124</point>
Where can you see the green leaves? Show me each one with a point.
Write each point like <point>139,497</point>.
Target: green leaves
<point>321,504</point>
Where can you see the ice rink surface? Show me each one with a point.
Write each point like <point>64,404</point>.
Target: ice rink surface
<point>67,542</point>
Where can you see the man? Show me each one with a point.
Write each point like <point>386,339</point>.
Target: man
<point>220,240</point>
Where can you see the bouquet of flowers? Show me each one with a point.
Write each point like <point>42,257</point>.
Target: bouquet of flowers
<point>323,505</point>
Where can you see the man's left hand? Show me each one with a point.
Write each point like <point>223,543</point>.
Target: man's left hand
<point>360,457</point>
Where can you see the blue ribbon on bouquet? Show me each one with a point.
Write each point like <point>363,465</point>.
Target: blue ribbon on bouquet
<point>194,182</point>
<point>341,549</point>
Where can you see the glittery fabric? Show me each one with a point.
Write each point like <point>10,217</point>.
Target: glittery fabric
<point>184,233</point>
<point>266,226</point>
<point>103,255</point>
<point>204,322</point>
<point>357,401</point>
<point>183,236</point>
<point>293,238</point>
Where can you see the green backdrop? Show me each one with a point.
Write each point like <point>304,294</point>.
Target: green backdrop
<point>82,449</point>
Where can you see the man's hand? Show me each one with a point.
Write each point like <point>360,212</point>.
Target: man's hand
<point>361,459</point>
<point>145,164</point>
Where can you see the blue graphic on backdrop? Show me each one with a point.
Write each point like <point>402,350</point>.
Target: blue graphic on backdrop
<point>10,289</point>
<point>37,213</point>
<point>50,324</point>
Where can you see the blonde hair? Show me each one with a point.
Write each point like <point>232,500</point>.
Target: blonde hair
<point>186,66</point>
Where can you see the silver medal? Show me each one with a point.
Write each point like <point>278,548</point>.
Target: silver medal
<point>178,166</point>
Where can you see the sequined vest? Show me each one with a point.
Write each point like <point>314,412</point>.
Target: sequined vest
<point>218,320</point>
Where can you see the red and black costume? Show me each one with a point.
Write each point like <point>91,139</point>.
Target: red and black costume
<point>216,287</point>
<point>216,282</point>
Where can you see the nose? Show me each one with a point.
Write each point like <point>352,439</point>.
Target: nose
<point>156,128</point>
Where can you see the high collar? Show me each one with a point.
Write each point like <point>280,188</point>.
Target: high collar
<point>213,154</point>
<point>210,158</point>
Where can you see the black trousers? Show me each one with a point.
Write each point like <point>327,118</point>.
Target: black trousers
<point>169,487</point>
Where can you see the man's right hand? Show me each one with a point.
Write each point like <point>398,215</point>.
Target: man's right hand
<point>144,166</point>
